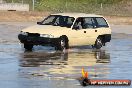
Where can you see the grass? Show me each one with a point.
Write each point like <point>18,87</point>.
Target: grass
<point>105,7</point>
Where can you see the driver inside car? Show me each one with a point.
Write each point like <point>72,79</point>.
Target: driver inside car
<point>79,24</point>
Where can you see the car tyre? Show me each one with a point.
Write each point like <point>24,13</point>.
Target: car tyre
<point>62,45</point>
<point>28,47</point>
<point>98,43</point>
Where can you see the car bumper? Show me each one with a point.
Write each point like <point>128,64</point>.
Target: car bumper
<point>38,40</point>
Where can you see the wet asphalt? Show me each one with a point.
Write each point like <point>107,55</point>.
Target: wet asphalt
<point>46,68</point>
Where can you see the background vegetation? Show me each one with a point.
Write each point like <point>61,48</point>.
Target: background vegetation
<point>108,7</point>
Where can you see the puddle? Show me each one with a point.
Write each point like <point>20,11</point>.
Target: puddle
<point>63,64</point>
<point>46,68</point>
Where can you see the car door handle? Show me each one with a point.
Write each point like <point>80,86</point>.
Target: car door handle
<point>84,31</point>
<point>95,30</point>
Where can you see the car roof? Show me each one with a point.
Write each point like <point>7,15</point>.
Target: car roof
<point>76,15</point>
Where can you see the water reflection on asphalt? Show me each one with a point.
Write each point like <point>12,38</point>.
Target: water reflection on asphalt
<point>46,68</point>
<point>65,64</point>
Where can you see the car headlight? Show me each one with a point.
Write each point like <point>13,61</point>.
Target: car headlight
<point>46,35</point>
<point>23,33</point>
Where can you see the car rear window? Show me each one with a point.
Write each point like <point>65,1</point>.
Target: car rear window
<point>101,22</point>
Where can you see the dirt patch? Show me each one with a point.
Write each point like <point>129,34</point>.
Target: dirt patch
<point>15,16</point>
<point>119,19</point>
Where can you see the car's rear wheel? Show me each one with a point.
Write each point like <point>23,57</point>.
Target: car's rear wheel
<point>63,44</point>
<point>28,47</point>
<point>98,43</point>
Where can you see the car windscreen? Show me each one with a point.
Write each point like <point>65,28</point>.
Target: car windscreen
<point>58,20</point>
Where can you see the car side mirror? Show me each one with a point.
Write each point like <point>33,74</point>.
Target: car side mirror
<point>39,22</point>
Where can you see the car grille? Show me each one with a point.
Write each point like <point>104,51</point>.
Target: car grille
<point>33,34</point>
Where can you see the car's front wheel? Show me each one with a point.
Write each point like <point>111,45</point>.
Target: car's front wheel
<point>63,44</point>
<point>98,43</point>
<point>28,47</point>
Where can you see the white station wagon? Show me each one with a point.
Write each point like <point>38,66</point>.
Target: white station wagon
<point>67,29</point>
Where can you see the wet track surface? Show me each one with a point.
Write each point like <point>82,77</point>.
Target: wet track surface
<point>46,68</point>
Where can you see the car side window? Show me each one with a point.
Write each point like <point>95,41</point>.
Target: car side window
<point>84,23</point>
<point>78,23</point>
<point>89,23</point>
<point>60,21</point>
<point>64,21</point>
<point>70,21</point>
<point>101,22</point>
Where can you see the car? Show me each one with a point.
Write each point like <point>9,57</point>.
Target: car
<point>63,30</point>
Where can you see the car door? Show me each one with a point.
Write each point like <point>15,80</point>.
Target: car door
<point>77,35</point>
<point>89,30</point>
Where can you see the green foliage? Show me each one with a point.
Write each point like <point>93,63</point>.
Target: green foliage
<point>71,5</point>
<point>87,6</point>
